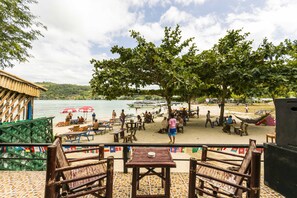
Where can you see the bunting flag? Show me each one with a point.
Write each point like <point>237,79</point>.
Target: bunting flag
<point>224,148</point>
<point>106,148</point>
<point>112,149</point>
<point>37,149</point>
<point>234,150</point>
<point>118,148</point>
<point>27,150</point>
<point>183,149</point>
<point>179,149</point>
<point>260,149</point>
<point>241,151</point>
<point>32,149</point>
<point>195,150</point>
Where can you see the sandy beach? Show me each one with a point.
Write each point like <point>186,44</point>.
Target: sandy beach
<point>194,132</point>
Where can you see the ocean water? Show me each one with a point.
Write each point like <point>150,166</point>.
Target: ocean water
<point>102,108</point>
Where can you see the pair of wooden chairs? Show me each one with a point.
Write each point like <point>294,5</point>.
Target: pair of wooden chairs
<point>217,179</point>
<point>78,177</point>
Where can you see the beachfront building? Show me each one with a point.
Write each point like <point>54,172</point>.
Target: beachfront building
<point>17,97</point>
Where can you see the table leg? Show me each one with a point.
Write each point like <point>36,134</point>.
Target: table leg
<point>167,183</point>
<point>134,182</point>
<point>116,137</point>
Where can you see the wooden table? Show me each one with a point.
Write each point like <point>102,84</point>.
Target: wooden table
<point>161,160</point>
<point>75,135</point>
<point>116,134</point>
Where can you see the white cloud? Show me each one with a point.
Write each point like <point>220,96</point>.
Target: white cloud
<point>175,16</point>
<point>188,2</point>
<point>273,21</point>
<point>151,31</point>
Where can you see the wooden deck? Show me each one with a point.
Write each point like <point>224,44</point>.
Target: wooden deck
<point>15,184</point>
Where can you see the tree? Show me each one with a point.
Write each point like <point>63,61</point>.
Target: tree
<point>18,28</point>
<point>226,67</point>
<point>142,66</point>
<point>277,75</point>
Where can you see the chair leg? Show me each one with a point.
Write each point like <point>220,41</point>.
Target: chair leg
<point>201,185</point>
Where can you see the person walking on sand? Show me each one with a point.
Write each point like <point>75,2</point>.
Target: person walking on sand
<point>208,119</point>
<point>113,114</point>
<point>172,129</point>
<point>197,111</point>
<point>122,118</point>
<point>246,108</point>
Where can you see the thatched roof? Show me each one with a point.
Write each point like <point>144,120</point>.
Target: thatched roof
<point>17,84</point>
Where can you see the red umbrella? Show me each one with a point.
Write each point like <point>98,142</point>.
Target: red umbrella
<point>86,109</point>
<point>68,110</point>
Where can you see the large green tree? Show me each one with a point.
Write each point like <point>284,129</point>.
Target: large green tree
<point>226,67</point>
<point>18,28</point>
<point>144,65</point>
<point>277,75</point>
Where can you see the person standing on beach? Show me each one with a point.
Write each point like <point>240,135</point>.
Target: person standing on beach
<point>246,108</point>
<point>197,111</point>
<point>94,116</point>
<point>122,118</point>
<point>113,114</point>
<point>172,129</point>
<point>208,119</point>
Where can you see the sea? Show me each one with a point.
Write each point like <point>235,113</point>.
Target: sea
<point>102,108</point>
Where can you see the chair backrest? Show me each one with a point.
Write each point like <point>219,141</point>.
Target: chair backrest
<point>246,162</point>
<point>61,159</point>
<point>75,128</point>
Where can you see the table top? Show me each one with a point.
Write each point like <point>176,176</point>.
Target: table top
<point>140,158</point>
<point>73,133</point>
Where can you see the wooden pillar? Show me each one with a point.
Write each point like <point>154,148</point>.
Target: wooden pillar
<point>50,172</point>
<point>192,178</point>
<point>255,174</point>
<point>101,152</point>
<point>204,153</point>
<point>109,178</point>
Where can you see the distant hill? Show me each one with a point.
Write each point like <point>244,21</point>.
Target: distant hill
<point>65,92</point>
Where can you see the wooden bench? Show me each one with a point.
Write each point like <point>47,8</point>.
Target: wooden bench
<point>116,134</point>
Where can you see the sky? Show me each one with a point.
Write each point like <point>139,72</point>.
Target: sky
<point>81,30</point>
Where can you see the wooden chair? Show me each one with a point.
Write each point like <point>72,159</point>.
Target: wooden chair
<point>243,129</point>
<point>218,181</point>
<point>130,136</point>
<point>271,136</point>
<point>68,178</point>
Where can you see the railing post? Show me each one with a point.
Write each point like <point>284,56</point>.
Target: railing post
<point>101,151</point>
<point>192,178</point>
<point>125,158</point>
<point>50,172</point>
<point>255,174</point>
<point>204,153</point>
<point>109,178</point>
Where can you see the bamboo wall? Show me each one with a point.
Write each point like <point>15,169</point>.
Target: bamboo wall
<point>15,95</point>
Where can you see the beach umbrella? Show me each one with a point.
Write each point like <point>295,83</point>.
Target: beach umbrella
<point>86,110</point>
<point>69,110</point>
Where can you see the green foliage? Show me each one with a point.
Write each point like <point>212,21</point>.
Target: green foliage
<point>65,92</point>
<point>18,28</point>
<point>141,66</point>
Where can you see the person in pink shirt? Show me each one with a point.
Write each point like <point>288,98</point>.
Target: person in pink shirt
<point>172,129</point>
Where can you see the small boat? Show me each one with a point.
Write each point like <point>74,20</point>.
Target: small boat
<point>146,104</point>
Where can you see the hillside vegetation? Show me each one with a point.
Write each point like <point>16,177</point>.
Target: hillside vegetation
<point>65,91</point>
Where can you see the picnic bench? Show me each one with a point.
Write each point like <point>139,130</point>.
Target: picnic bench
<point>118,134</point>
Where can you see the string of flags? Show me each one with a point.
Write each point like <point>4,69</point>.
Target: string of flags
<point>114,149</point>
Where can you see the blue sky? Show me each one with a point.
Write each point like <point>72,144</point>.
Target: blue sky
<point>79,30</point>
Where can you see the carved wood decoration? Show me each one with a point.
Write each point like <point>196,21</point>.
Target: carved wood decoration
<point>15,95</point>
<point>13,105</point>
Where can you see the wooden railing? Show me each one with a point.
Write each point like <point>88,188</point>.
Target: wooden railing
<point>32,156</point>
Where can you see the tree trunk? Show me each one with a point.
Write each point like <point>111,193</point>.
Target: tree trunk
<point>189,108</point>
<point>168,100</point>
<point>223,105</point>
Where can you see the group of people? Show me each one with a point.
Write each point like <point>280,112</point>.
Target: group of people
<point>148,117</point>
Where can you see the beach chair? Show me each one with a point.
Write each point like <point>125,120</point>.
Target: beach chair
<point>217,179</point>
<point>77,177</point>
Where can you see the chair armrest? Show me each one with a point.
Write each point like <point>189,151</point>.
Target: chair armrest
<point>223,169</point>
<point>72,167</point>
